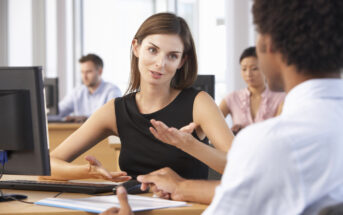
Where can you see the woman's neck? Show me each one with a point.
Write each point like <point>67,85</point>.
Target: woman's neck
<point>257,91</point>
<point>153,98</point>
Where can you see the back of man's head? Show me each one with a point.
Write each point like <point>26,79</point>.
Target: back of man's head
<point>97,61</point>
<point>307,33</point>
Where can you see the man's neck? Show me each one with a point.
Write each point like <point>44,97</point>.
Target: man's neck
<point>292,77</point>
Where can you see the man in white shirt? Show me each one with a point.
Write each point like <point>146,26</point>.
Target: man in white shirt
<point>87,98</point>
<point>291,164</point>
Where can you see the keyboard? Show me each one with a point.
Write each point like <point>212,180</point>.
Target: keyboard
<point>57,186</point>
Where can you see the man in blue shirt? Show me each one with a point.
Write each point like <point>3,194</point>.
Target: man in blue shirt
<point>78,105</point>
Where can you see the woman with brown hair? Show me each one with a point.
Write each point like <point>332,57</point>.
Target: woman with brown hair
<point>163,69</point>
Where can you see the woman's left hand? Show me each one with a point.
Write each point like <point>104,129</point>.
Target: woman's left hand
<point>172,136</point>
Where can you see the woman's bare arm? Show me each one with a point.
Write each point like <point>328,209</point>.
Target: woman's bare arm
<point>100,125</point>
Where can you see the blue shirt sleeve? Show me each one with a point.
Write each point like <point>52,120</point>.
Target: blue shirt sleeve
<point>66,106</point>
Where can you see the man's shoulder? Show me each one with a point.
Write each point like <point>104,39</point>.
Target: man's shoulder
<point>269,133</point>
<point>110,86</point>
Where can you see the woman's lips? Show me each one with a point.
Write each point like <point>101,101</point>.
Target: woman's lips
<point>155,75</point>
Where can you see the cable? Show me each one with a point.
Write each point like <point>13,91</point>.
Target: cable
<point>55,196</point>
<point>3,160</point>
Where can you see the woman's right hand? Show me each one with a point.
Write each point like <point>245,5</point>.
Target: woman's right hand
<point>96,170</point>
<point>179,138</point>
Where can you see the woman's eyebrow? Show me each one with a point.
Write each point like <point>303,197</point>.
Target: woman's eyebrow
<point>154,45</point>
<point>159,48</point>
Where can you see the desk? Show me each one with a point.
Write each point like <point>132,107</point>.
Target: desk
<point>58,132</point>
<point>15,207</point>
<point>114,143</point>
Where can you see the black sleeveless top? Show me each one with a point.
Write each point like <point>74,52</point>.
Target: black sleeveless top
<point>141,152</point>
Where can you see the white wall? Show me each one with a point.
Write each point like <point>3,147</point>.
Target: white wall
<point>240,34</point>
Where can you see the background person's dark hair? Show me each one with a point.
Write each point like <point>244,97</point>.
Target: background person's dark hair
<point>167,23</point>
<point>94,58</point>
<point>308,33</point>
<point>248,52</point>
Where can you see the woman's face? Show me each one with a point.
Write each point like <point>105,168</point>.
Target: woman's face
<point>251,73</point>
<point>159,56</point>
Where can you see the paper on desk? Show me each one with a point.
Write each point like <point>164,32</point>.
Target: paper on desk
<point>98,204</point>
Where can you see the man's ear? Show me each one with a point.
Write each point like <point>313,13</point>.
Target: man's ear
<point>183,61</point>
<point>135,47</point>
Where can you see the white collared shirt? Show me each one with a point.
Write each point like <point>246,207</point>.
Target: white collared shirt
<point>80,102</point>
<point>291,164</point>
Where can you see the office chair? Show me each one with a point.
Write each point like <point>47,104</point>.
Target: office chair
<point>207,84</point>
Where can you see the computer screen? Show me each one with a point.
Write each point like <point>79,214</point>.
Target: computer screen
<point>51,95</point>
<point>23,125</point>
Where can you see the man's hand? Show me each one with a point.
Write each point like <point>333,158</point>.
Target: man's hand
<point>124,209</point>
<point>96,170</point>
<point>163,182</point>
<point>172,136</point>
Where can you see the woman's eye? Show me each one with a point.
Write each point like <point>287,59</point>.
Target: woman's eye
<point>152,50</point>
<point>173,56</point>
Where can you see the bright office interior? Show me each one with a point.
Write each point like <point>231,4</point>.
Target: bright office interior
<point>56,33</point>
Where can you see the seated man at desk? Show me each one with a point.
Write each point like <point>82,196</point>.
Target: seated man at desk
<point>78,105</point>
<point>290,164</point>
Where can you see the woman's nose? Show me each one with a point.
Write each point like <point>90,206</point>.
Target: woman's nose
<point>160,61</point>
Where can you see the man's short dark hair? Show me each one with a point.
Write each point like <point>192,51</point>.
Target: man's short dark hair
<point>94,58</point>
<point>248,52</point>
<point>308,33</point>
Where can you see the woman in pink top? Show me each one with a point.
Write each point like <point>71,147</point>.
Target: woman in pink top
<point>254,103</point>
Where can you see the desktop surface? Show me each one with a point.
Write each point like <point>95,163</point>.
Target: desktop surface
<point>15,207</point>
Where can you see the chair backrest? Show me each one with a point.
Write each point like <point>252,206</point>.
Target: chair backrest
<point>205,83</point>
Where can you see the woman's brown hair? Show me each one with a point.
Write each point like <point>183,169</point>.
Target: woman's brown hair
<point>167,23</point>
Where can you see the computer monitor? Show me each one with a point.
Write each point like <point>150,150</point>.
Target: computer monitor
<point>205,83</point>
<point>51,95</point>
<point>23,132</point>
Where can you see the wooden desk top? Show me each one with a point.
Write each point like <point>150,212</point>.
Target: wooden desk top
<point>64,125</point>
<point>15,207</point>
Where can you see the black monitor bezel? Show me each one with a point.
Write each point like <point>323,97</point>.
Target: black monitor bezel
<point>35,161</point>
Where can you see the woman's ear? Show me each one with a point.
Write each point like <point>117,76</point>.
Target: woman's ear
<point>135,47</point>
<point>183,61</point>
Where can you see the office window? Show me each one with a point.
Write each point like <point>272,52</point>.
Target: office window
<point>108,29</point>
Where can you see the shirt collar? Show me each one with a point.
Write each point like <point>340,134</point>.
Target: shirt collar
<point>314,88</point>
<point>99,89</point>
<point>263,95</point>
